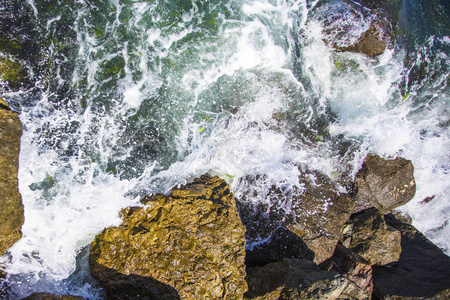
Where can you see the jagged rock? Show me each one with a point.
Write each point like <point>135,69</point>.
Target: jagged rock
<point>371,42</point>
<point>299,279</point>
<point>282,244</point>
<point>351,265</point>
<point>422,272</point>
<point>187,245</point>
<point>48,296</point>
<point>319,214</point>
<point>368,235</point>
<point>383,183</point>
<point>11,207</point>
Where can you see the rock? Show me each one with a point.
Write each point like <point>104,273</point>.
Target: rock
<point>422,272</point>
<point>282,244</point>
<point>48,296</point>
<point>11,207</point>
<point>369,236</point>
<point>351,265</point>
<point>371,42</point>
<point>299,279</point>
<point>319,214</point>
<point>187,245</point>
<point>383,183</point>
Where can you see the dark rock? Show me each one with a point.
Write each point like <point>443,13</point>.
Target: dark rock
<point>299,279</point>
<point>351,265</point>
<point>422,272</point>
<point>187,245</point>
<point>369,236</point>
<point>383,183</point>
<point>48,296</point>
<point>11,207</point>
<point>319,214</point>
<point>282,244</point>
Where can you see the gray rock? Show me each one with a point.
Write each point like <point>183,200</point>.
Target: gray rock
<point>49,296</point>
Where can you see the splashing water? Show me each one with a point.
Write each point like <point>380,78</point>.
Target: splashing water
<point>133,97</point>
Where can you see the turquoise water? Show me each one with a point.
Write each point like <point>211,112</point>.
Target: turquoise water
<point>126,98</point>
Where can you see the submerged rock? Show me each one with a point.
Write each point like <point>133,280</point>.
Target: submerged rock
<point>422,271</point>
<point>351,265</point>
<point>187,245</point>
<point>372,238</point>
<point>384,183</point>
<point>299,279</point>
<point>49,296</point>
<point>11,207</point>
<point>319,214</point>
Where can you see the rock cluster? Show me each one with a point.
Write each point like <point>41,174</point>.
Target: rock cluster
<point>11,207</point>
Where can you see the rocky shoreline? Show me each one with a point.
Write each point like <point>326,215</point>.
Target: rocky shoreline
<point>191,244</point>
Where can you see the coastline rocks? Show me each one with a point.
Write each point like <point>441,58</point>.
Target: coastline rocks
<point>351,265</point>
<point>319,214</point>
<point>48,296</point>
<point>187,245</point>
<point>383,183</point>
<point>422,272</point>
<point>370,42</point>
<point>368,235</point>
<point>11,207</point>
<point>299,279</point>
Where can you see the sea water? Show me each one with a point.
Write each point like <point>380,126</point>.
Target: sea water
<point>127,98</point>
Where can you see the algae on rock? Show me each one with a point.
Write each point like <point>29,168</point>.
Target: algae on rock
<point>187,245</point>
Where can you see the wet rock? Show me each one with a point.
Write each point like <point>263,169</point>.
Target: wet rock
<point>282,244</point>
<point>372,238</point>
<point>319,214</point>
<point>11,207</point>
<point>49,296</point>
<point>351,265</point>
<point>371,42</point>
<point>187,245</point>
<point>299,279</point>
<point>422,271</point>
<point>384,183</point>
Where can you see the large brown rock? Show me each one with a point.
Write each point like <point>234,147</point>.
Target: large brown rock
<point>49,296</point>
<point>299,279</point>
<point>422,272</point>
<point>319,213</point>
<point>369,236</point>
<point>384,183</point>
<point>187,245</point>
<point>351,265</point>
<point>11,207</point>
<point>371,42</point>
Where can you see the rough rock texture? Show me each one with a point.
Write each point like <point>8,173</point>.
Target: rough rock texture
<point>282,244</point>
<point>422,272</point>
<point>319,214</point>
<point>384,184</point>
<point>48,296</point>
<point>351,265</point>
<point>187,245</point>
<point>368,235</point>
<point>371,42</point>
<point>299,279</point>
<point>11,207</point>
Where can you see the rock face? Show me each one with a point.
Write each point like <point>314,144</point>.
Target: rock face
<point>319,214</point>
<point>282,244</point>
<point>369,236</point>
<point>11,207</point>
<point>187,245</point>
<point>371,42</point>
<point>351,265</point>
<point>48,296</point>
<point>422,272</point>
<point>384,184</point>
<point>299,279</point>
